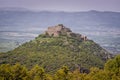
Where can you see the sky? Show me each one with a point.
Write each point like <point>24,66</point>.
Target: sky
<point>64,5</point>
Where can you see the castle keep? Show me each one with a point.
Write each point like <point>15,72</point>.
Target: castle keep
<point>60,29</point>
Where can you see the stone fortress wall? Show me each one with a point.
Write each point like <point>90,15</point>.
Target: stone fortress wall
<point>60,29</point>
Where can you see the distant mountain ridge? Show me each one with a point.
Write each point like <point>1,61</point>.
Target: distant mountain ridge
<point>84,18</point>
<point>23,9</point>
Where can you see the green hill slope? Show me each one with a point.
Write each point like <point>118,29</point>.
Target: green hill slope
<point>53,51</point>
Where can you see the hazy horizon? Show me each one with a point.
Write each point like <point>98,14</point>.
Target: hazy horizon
<point>26,9</point>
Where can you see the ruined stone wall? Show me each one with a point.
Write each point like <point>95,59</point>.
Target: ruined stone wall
<point>58,30</point>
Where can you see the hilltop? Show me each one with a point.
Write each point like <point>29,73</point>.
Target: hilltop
<point>56,47</point>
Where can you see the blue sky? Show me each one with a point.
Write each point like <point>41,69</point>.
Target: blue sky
<point>64,5</point>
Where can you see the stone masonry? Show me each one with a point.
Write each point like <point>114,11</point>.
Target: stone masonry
<point>60,29</point>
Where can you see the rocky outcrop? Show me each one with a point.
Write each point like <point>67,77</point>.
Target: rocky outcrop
<point>60,29</point>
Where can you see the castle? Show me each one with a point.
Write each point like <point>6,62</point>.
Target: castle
<point>60,29</point>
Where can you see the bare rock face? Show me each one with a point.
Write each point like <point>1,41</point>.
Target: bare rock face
<point>60,29</point>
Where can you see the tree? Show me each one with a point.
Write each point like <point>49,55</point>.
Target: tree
<point>62,74</point>
<point>37,73</point>
<point>76,75</point>
<point>113,65</point>
<point>5,72</point>
<point>19,72</point>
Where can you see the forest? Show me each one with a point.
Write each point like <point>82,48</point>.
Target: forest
<point>111,71</point>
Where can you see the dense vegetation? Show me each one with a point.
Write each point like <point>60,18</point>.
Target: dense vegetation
<point>111,71</point>
<point>52,53</point>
